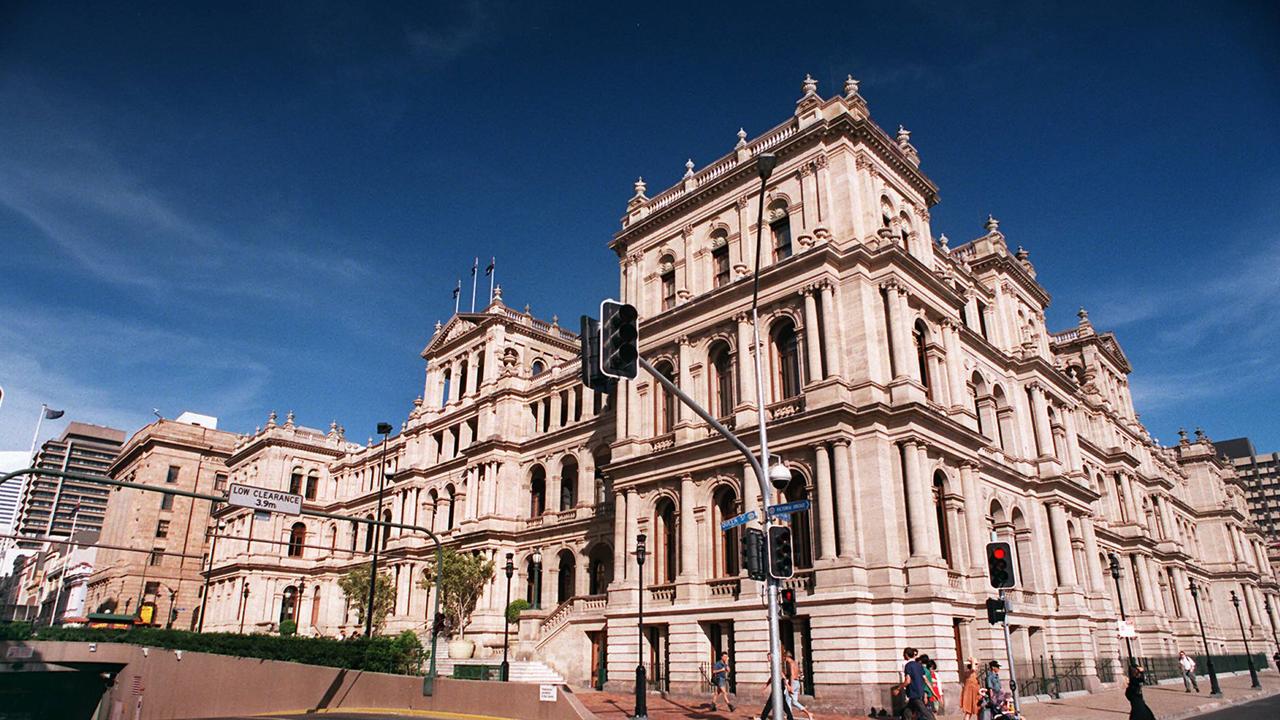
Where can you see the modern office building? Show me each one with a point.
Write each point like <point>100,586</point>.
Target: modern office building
<point>52,505</point>
<point>1260,473</point>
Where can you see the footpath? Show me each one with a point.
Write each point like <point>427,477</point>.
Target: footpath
<point>1168,701</point>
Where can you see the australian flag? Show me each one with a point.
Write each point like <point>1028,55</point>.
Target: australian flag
<point>51,414</point>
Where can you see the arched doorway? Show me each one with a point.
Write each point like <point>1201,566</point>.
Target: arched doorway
<point>599,569</point>
<point>565,581</point>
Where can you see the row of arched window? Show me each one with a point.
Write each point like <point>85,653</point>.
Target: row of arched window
<point>306,484</point>
<point>569,479</point>
<point>778,221</point>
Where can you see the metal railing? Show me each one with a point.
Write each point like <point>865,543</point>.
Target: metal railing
<point>1166,667</point>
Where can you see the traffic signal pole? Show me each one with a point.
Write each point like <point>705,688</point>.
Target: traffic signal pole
<point>766,497</point>
<point>1008,653</point>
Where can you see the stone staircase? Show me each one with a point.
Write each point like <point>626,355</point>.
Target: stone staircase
<point>522,671</point>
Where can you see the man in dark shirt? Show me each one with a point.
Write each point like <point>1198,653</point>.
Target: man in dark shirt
<point>913,683</point>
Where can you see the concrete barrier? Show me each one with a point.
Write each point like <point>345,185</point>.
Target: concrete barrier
<point>155,683</point>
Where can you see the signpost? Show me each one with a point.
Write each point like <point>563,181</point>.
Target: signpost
<point>788,508</point>
<point>742,519</point>
<point>256,498</point>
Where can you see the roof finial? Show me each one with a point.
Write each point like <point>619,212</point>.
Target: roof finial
<point>688,168</point>
<point>1083,315</point>
<point>850,87</point>
<point>742,138</point>
<point>271,419</point>
<point>1200,436</point>
<point>333,427</point>
<point>904,136</point>
<point>810,85</point>
<point>288,419</point>
<point>438,326</point>
<point>640,186</point>
<point>1182,436</point>
<point>1022,253</point>
<point>992,223</point>
<point>942,241</point>
<point>497,293</point>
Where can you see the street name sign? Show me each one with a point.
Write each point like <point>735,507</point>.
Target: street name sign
<point>263,499</point>
<point>788,508</point>
<point>742,519</point>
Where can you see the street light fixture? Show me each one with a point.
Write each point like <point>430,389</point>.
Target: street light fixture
<point>297,605</point>
<point>384,429</point>
<point>1214,688</point>
<point>204,594</point>
<point>1253,671</point>
<point>244,606</point>
<point>1114,562</point>
<point>642,708</point>
<point>510,569</point>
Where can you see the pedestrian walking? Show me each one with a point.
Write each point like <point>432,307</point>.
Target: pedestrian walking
<point>992,684</point>
<point>970,693</point>
<point>791,681</point>
<point>914,685</point>
<point>1138,708</point>
<point>720,682</point>
<point>767,711</point>
<point>1188,671</point>
<point>934,698</point>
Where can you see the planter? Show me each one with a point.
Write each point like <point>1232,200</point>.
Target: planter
<point>461,649</point>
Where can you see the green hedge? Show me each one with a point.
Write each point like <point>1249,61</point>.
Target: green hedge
<point>401,654</point>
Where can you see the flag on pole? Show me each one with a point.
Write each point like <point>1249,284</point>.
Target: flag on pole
<point>489,270</point>
<point>51,414</point>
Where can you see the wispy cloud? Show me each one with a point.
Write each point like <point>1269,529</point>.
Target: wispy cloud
<point>450,36</point>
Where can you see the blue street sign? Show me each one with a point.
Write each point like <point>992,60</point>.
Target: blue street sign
<point>788,508</point>
<point>742,519</point>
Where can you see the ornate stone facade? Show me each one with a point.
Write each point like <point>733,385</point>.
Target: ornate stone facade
<point>912,388</point>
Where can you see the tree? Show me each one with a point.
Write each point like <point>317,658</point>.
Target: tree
<point>464,578</point>
<point>355,586</point>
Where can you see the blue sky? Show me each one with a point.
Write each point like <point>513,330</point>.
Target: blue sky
<point>233,208</point>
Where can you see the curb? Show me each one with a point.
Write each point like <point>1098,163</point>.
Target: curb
<point>1221,704</point>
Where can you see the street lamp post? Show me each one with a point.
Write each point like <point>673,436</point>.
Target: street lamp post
<point>642,709</point>
<point>204,594</point>
<point>169,621</point>
<point>297,605</point>
<point>1115,575</point>
<point>1214,688</point>
<point>384,429</point>
<point>244,606</point>
<point>510,569</point>
<point>1253,671</point>
<point>66,563</point>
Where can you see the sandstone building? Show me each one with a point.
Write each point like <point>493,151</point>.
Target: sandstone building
<point>912,389</point>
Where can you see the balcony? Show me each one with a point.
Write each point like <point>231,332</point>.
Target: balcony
<point>663,594</point>
<point>663,442</point>
<point>725,588</point>
<point>785,408</point>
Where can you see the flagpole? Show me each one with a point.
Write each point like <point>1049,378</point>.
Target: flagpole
<point>493,270</point>
<point>62,580</point>
<point>35,438</point>
<point>457,292</point>
<point>475,265</point>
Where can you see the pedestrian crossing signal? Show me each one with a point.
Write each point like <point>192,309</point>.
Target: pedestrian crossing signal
<point>1000,572</point>
<point>997,610</point>
<point>787,601</point>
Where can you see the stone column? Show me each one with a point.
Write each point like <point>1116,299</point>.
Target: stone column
<point>621,519</point>
<point>975,518</point>
<point>813,345</point>
<point>831,330</point>
<point>586,478</point>
<point>633,522</point>
<point>750,489</point>
<point>1144,585</point>
<point>1040,406</point>
<point>746,368</point>
<point>844,497</point>
<point>473,372</point>
<point>553,422</point>
<point>1062,556</point>
<point>897,343</point>
<point>955,363</point>
<point>1166,520</point>
<point>826,508</point>
<point>1130,499</point>
<point>1092,561</point>
<point>684,414</point>
<point>455,382</point>
<point>688,531</point>
<point>917,510</point>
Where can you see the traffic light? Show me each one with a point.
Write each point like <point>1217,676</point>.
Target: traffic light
<point>753,553</point>
<point>781,564</point>
<point>590,346</point>
<point>997,610</point>
<point>787,601</point>
<point>619,340</point>
<point>1000,565</point>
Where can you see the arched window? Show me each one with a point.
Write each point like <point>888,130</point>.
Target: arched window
<point>533,582</point>
<point>537,491</point>
<point>725,545</point>
<point>368,533</point>
<point>565,583</point>
<point>386,531</point>
<point>297,539</point>
<point>780,229</point>
<point>886,212</point>
<point>537,368</point>
<point>463,370</point>
<point>445,385</point>
<point>599,569</point>
<point>667,543</point>
<point>568,483</point>
<point>786,356</point>
<point>453,501</point>
<point>1024,549</point>
<point>664,401</point>
<point>333,536</point>
<point>723,397</point>
<point>920,338</point>
<point>982,319</point>
<point>720,258</point>
<point>667,275</point>
<point>295,481</point>
<point>355,534</point>
<point>801,527</point>
<point>313,481</point>
<point>289,604</point>
<point>940,512</point>
<point>1004,419</point>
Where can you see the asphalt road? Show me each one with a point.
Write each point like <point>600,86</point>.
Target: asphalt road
<point>1264,709</point>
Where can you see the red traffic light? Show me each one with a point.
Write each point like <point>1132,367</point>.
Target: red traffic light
<point>998,553</point>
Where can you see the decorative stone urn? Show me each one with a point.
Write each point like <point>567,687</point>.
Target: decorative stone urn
<point>461,649</point>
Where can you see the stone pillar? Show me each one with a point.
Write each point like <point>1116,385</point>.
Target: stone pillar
<point>688,531</point>
<point>1145,586</point>
<point>455,383</point>
<point>586,478</point>
<point>1092,561</point>
<point>1040,406</point>
<point>633,522</point>
<point>954,363</point>
<point>621,518</point>
<point>1166,520</point>
<point>750,489</point>
<point>1062,556</point>
<point>473,372</point>
<point>826,508</point>
<point>746,368</point>
<point>684,414</point>
<point>831,330</point>
<point>844,497</point>
<point>917,509</point>
<point>813,349</point>
<point>974,516</point>
<point>1130,499</point>
<point>897,343</point>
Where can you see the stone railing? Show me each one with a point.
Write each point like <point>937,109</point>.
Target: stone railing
<point>955,580</point>
<point>802,580</point>
<point>1065,336</point>
<point>663,593</point>
<point>725,587</point>
<point>594,602</point>
<point>786,408</point>
<point>663,442</point>
<point>557,617</point>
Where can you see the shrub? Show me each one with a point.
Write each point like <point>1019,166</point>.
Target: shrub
<point>515,608</point>
<point>288,627</point>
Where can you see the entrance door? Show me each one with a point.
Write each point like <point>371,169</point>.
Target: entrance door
<point>599,659</point>
<point>797,639</point>
<point>721,636</point>
<point>659,657</point>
